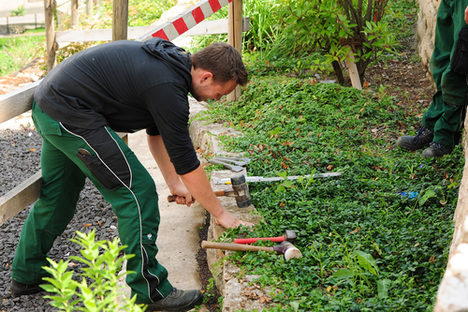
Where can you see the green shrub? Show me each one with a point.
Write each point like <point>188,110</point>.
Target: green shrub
<point>95,289</point>
<point>18,12</point>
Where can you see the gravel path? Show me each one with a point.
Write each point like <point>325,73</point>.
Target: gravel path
<point>20,159</point>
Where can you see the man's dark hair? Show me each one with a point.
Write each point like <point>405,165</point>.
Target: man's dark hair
<point>223,61</point>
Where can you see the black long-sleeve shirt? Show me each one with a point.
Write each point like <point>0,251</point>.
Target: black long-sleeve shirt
<point>128,86</point>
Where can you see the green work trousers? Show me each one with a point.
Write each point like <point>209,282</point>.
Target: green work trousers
<point>68,157</point>
<point>445,114</point>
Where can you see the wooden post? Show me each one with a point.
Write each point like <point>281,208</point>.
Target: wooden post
<point>119,28</point>
<point>353,71</point>
<point>120,20</point>
<point>235,36</point>
<point>49,9</point>
<point>89,7</point>
<point>74,14</point>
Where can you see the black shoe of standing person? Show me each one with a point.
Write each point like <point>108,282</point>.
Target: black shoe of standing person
<point>436,150</point>
<point>178,300</point>
<point>19,289</point>
<point>422,138</point>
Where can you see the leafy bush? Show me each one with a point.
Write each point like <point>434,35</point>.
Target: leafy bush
<point>366,244</point>
<point>332,28</point>
<point>96,288</point>
<point>18,11</point>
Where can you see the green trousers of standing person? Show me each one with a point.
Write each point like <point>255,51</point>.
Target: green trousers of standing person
<point>69,155</point>
<point>445,114</point>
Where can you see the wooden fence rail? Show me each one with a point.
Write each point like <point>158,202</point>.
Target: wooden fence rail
<point>11,105</point>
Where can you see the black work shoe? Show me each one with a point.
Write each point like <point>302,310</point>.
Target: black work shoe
<point>422,138</point>
<point>19,289</point>
<point>436,150</point>
<point>178,300</point>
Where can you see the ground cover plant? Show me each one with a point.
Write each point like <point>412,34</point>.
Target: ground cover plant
<point>374,239</point>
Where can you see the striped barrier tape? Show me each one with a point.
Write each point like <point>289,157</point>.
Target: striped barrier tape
<point>180,24</point>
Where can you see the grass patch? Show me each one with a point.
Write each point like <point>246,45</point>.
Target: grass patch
<point>18,51</point>
<point>367,246</point>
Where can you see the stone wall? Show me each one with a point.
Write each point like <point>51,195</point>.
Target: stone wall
<point>426,29</point>
<point>451,296</point>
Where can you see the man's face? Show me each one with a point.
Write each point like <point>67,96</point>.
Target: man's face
<point>205,87</point>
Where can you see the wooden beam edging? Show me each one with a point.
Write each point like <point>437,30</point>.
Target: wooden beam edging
<point>20,197</point>
<point>17,102</point>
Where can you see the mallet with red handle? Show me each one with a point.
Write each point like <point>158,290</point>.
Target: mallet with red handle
<point>288,250</point>
<point>289,235</point>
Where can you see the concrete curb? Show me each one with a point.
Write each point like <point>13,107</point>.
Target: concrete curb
<point>239,290</point>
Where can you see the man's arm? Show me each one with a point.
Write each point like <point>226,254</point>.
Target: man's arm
<point>195,183</point>
<point>199,186</point>
<point>175,185</point>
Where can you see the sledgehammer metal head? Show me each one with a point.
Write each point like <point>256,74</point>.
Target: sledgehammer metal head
<point>241,190</point>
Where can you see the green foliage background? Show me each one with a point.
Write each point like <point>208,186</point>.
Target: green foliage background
<point>16,52</point>
<point>367,246</point>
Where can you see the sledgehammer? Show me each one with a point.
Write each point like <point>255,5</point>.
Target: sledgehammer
<point>285,248</point>
<point>240,191</point>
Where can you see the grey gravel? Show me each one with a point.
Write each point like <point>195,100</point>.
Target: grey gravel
<point>20,158</point>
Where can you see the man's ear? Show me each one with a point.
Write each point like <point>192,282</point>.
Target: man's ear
<point>205,76</point>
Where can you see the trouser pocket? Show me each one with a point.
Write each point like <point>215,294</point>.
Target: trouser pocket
<point>459,62</point>
<point>99,170</point>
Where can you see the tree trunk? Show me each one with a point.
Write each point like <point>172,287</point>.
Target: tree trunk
<point>338,72</point>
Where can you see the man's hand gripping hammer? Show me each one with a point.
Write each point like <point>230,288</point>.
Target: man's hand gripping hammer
<point>240,191</point>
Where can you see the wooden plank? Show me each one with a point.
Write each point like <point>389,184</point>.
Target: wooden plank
<point>29,19</point>
<point>215,27</point>
<point>134,33</point>
<point>353,71</point>
<point>20,197</point>
<point>17,102</point>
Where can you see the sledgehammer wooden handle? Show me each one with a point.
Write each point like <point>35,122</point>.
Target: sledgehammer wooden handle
<point>172,198</point>
<point>235,247</point>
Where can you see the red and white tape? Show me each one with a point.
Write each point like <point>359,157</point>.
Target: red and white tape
<point>177,26</point>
